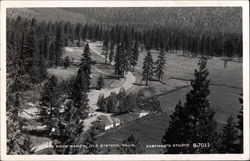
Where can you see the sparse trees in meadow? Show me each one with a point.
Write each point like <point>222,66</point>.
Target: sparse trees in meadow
<point>134,55</point>
<point>160,65</point>
<point>147,67</point>
<point>105,48</point>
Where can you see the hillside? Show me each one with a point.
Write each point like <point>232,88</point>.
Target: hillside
<point>226,19</point>
<point>47,14</point>
<point>206,18</point>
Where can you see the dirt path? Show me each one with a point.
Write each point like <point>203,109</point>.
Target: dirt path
<point>94,94</point>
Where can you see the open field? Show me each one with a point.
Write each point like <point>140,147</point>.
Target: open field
<point>75,54</point>
<point>226,85</point>
<point>146,129</point>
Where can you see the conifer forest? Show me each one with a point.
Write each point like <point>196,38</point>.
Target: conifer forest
<point>124,80</point>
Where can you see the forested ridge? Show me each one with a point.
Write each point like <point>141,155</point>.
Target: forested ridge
<point>225,19</point>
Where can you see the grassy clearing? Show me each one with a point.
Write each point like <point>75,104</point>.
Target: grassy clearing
<point>226,85</point>
<point>149,130</point>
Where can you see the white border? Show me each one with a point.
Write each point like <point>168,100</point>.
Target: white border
<point>14,4</point>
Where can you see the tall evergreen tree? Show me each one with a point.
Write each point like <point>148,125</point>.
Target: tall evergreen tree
<point>105,49</point>
<point>147,67</point>
<point>198,120</point>
<point>58,45</point>
<point>117,62</point>
<point>29,51</point>
<point>202,126</point>
<point>79,91</point>
<point>50,102</point>
<point>85,64</point>
<point>160,65</point>
<point>229,137</point>
<point>134,55</point>
<point>86,59</point>
<point>39,69</point>
<point>123,60</point>
<point>178,119</point>
<point>111,53</point>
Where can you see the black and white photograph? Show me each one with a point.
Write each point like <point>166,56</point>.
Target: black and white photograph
<point>125,80</point>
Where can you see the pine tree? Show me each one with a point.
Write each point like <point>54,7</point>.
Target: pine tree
<point>117,62</point>
<point>197,118</point>
<point>58,46</point>
<point>85,64</point>
<point>100,82</point>
<point>105,50</point>
<point>131,146</point>
<point>66,62</point>
<point>86,59</point>
<point>202,126</point>
<point>147,67</point>
<point>160,65</point>
<point>52,54</point>
<point>229,137</point>
<point>50,102</point>
<point>111,53</point>
<point>79,91</point>
<point>78,34</point>
<point>134,55</point>
<point>178,119</point>
<point>39,69</point>
<point>29,51</point>
<point>123,61</point>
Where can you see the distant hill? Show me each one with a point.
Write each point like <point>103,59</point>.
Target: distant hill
<point>47,14</point>
<point>228,19</point>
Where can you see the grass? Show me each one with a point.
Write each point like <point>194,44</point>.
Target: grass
<point>226,85</point>
<point>149,130</point>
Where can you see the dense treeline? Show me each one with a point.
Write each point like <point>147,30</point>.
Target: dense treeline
<point>49,38</point>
